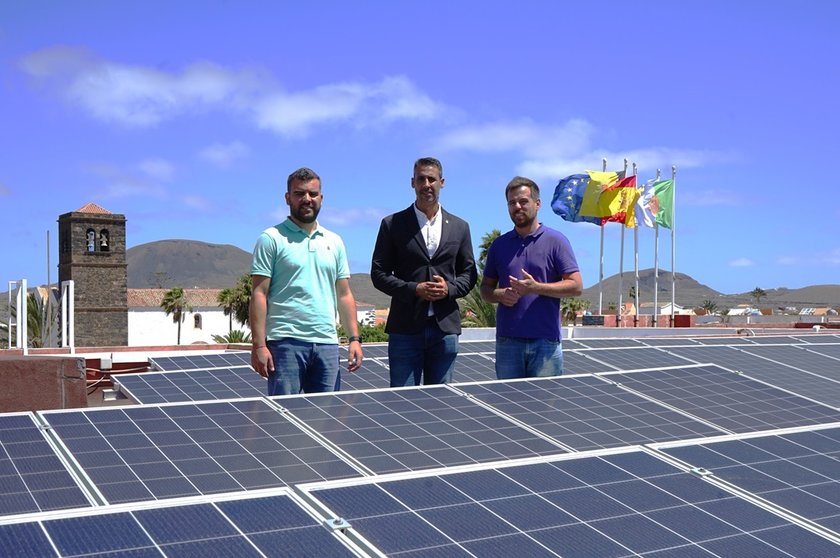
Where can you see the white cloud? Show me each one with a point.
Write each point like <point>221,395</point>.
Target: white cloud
<point>224,155</point>
<point>197,202</point>
<point>713,197</point>
<point>158,169</point>
<point>139,96</point>
<point>523,136</point>
<point>362,104</point>
<point>741,262</point>
<point>832,257</point>
<point>553,151</point>
<point>352,216</point>
<point>119,183</point>
<point>819,259</point>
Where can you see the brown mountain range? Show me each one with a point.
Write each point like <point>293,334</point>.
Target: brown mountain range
<point>190,263</point>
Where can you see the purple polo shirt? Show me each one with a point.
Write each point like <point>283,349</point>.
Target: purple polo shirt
<point>547,255</point>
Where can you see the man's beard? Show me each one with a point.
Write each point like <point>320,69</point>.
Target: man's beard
<point>306,218</point>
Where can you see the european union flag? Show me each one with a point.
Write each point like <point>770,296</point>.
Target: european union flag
<point>568,195</point>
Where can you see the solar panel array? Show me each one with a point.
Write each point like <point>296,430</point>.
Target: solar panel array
<point>655,448</point>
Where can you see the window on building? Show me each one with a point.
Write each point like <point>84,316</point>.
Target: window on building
<point>197,321</point>
<point>90,239</point>
<point>104,240</point>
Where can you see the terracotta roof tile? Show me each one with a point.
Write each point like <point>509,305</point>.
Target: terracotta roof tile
<point>93,208</point>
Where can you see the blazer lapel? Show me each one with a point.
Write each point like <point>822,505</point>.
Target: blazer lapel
<point>445,229</point>
<point>411,219</point>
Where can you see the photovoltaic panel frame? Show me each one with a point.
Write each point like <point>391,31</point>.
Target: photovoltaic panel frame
<point>133,454</point>
<point>584,412</point>
<point>620,504</point>
<point>33,477</point>
<point>728,400</point>
<point>191,385</point>
<point>412,429</point>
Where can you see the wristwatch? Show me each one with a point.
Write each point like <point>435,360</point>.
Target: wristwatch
<point>354,338</point>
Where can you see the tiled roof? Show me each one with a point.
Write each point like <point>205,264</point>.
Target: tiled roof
<point>151,298</point>
<point>93,208</point>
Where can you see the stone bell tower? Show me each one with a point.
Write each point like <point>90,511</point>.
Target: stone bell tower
<point>91,253</point>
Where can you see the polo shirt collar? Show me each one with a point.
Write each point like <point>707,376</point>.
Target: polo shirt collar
<point>293,227</point>
<point>535,235</point>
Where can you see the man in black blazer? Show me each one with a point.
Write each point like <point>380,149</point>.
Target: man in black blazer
<point>423,259</point>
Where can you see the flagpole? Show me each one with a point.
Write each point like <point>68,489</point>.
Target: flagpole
<point>673,245</point>
<point>601,273</point>
<point>618,312</point>
<point>636,265</point>
<point>656,265</point>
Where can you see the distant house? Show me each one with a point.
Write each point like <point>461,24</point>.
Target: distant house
<point>148,324</point>
<point>647,308</point>
<point>744,311</point>
<point>821,311</point>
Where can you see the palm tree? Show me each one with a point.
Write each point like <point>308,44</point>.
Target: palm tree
<point>486,241</point>
<point>37,321</point>
<point>709,306</point>
<point>227,301</point>
<point>758,293</point>
<point>234,336</point>
<point>175,303</point>
<point>475,311</point>
<point>242,299</point>
<point>570,307</point>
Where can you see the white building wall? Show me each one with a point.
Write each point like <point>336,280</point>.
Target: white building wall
<point>150,326</point>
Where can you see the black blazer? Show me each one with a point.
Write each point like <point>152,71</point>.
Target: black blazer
<point>400,261</point>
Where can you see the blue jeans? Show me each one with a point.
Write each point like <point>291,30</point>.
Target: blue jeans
<point>302,367</point>
<point>518,357</point>
<point>430,353</point>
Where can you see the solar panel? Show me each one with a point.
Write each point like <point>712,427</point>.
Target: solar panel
<point>264,526</point>
<point>797,471</point>
<point>414,428</point>
<point>772,339</point>
<point>666,341</point>
<point>154,452</point>
<point>724,341</point>
<point>832,351</point>
<point>470,368</point>
<point>726,399</point>
<point>370,350</point>
<point>577,362</point>
<point>191,385</point>
<point>32,476</point>
<point>587,413</point>
<point>372,374</point>
<point>798,381</point>
<point>201,362</point>
<point>609,343</point>
<point>466,347</point>
<point>630,504</point>
<point>811,361</point>
<point>571,344</point>
<point>635,358</point>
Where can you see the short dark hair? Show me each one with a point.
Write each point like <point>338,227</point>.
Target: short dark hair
<point>428,162</point>
<point>519,182</point>
<point>303,174</point>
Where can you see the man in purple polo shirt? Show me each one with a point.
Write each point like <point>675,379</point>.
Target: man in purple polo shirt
<point>528,271</point>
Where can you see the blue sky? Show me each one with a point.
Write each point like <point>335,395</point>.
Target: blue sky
<point>188,116</point>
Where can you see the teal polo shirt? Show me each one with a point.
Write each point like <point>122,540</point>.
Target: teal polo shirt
<point>303,270</point>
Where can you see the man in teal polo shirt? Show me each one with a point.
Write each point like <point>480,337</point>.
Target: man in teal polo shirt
<point>300,278</point>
